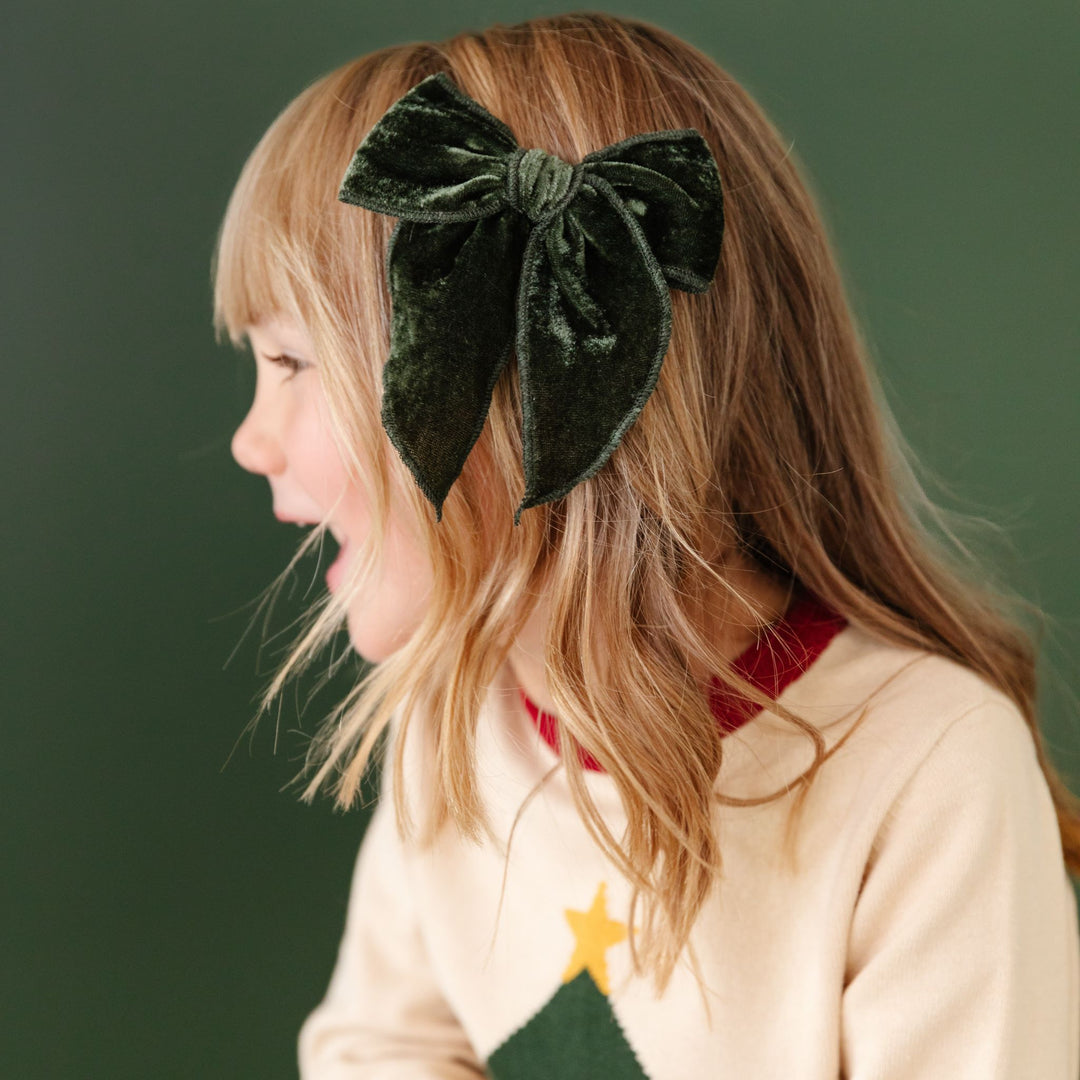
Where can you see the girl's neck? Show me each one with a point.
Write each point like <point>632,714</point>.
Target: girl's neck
<point>733,626</point>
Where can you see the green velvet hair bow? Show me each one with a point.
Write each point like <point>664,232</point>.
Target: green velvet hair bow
<point>499,246</point>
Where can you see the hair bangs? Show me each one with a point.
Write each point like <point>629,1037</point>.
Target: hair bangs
<point>252,280</point>
<point>286,245</point>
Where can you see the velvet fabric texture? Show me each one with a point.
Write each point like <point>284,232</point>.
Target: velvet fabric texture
<point>498,248</point>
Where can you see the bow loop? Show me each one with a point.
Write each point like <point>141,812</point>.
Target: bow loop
<point>669,181</point>
<point>498,248</point>
<point>434,155</point>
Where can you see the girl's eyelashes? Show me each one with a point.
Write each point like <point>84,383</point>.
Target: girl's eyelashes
<point>292,363</point>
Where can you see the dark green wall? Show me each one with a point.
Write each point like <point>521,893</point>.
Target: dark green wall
<point>167,914</point>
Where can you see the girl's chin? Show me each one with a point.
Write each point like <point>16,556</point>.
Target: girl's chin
<point>336,570</point>
<point>368,643</point>
<point>367,654</point>
<point>361,640</point>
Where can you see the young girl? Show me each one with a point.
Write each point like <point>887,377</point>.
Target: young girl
<point>703,759</point>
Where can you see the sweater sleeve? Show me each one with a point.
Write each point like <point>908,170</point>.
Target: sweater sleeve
<point>383,1017</point>
<point>964,952</point>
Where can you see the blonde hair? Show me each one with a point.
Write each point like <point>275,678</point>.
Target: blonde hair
<point>764,437</point>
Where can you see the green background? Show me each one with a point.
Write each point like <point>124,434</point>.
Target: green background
<point>169,910</point>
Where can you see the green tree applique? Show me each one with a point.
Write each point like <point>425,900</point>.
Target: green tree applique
<point>576,1035</point>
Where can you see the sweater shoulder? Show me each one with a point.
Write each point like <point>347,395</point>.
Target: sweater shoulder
<point>880,708</point>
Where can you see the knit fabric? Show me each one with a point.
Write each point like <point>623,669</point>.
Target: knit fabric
<point>928,929</point>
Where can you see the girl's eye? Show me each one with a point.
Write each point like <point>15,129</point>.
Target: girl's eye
<point>294,365</point>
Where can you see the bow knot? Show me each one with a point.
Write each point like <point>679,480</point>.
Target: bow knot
<point>537,182</point>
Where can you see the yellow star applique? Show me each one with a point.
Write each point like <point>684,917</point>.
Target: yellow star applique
<point>595,933</point>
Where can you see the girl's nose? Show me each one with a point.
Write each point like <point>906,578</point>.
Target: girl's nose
<point>255,448</point>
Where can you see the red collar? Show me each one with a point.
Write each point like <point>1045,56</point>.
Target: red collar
<point>775,661</point>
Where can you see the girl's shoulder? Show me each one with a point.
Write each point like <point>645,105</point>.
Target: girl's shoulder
<point>883,710</point>
<point>861,669</point>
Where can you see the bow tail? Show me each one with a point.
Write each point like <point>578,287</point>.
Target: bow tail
<point>594,322</point>
<point>452,286</point>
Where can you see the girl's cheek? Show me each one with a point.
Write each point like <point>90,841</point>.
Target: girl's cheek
<point>316,456</point>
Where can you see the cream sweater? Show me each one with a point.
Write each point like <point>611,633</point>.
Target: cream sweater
<point>930,931</point>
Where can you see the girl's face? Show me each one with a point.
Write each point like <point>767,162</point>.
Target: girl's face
<point>286,437</point>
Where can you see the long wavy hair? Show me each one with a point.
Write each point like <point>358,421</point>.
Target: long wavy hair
<point>766,438</point>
